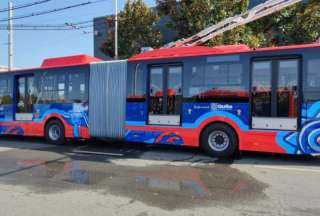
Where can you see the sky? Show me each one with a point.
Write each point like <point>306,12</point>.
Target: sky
<point>32,47</point>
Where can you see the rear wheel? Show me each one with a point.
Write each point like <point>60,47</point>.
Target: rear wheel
<point>219,140</point>
<point>55,133</point>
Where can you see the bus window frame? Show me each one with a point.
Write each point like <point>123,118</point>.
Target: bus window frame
<point>307,89</point>
<point>274,60</point>
<point>165,66</point>
<point>203,61</point>
<point>66,71</point>
<point>10,77</point>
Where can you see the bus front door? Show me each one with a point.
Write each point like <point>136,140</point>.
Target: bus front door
<point>24,98</point>
<point>165,95</point>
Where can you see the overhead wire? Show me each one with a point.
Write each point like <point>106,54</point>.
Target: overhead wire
<point>20,6</point>
<point>53,10</point>
<point>51,27</point>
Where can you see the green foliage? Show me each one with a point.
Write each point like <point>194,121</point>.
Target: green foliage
<point>297,24</point>
<point>305,23</point>
<point>190,17</point>
<point>136,30</point>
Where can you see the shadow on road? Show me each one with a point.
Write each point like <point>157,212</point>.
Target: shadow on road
<point>106,150</point>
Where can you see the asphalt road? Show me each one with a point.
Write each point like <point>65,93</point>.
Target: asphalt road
<point>113,178</point>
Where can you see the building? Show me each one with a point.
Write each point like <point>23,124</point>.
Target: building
<point>102,28</point>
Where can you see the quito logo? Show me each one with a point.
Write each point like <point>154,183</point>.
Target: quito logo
<point>216,106</point>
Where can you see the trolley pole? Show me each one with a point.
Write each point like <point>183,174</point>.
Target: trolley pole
<point>10,35</point>
<point>116,30</point>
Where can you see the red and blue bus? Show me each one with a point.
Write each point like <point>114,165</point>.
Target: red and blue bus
<point>50,101</point>
<point>223,99</point>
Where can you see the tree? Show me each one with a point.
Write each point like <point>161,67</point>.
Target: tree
<point>190,17</point>
<point>297,24</point>
<point>305,23</point>
<point>137,29</point>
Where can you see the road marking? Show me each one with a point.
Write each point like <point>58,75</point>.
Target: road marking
<point>4,149</point>
<point>81,147</point>
<point>131,150</point>
<point>25,146</point>
<point>287,168</point>
<point>98,153</point>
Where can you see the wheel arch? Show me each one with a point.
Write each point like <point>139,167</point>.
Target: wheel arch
<point>228,124</point>
<point>52,118</point>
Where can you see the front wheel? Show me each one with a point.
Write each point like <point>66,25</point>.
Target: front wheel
<point>55,133</point>
<point>219,140</point>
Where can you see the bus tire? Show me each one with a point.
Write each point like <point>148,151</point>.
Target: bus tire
<point>219,140</point>
<point>54,132</point>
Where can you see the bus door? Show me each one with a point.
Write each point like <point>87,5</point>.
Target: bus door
<point>165,95</point>
<point>275,93</point>
<point>24,97</point>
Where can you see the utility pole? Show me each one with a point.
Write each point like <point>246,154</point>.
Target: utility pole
<point>116,30</point>
<point>10,36</point>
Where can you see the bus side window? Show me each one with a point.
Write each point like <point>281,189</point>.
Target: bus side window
<point>5,91</point>
<point>137,79</point>
<point>287,92</point>
<point>312,84</point>
<point>215,80</point>
<point>65,86</point>
<point>77,87</point>
<point>261,89</point>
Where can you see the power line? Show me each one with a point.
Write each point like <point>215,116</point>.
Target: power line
<point>90,23</point>
<point>24,5</point>
<point>59,27</point>
<point>46,27</point>
<point>65,26</point>
<point>31,26</point>
<point>53,10</point>
<point>38,29</point>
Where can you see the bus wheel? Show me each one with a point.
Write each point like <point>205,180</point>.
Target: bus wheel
<point>55,133</point>
<point>219,140</point>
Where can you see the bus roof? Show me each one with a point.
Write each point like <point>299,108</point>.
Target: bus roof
<point>69,61</point>
<point>180,52</point>
<point>60,62</point>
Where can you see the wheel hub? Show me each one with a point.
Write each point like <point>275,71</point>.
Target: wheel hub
<point>54,132</point>
<point>219,141</point>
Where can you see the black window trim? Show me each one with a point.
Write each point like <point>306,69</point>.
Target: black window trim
<point>65,71</point>
<point>244,84</point>
<point>165,67</point>
<point>305,88</point>
<point>10,90</point>
<point>274,60</point>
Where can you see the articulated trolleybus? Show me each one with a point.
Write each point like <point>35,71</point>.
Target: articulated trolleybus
<point>222,99</point>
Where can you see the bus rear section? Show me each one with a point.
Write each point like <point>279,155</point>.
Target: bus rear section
<point>74,97</point>
<point>50,101</point>
<point>226,99</point>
